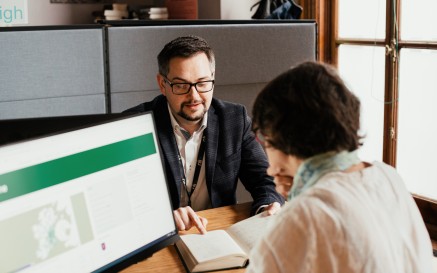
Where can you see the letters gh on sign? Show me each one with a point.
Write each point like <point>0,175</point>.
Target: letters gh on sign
<point>13,12</point>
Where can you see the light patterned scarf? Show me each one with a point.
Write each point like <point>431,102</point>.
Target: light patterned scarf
<point>313,168</point>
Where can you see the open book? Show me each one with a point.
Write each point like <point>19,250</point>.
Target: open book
<point>222,249</point>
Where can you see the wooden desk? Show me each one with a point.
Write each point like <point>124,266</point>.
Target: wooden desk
<point>167,259</point>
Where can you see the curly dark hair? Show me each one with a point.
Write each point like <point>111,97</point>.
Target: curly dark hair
<point>184,47</point>
<point>308,110</point>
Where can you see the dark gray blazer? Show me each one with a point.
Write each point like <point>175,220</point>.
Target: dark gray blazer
<point>231,152</point>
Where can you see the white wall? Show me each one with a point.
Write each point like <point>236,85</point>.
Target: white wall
<point>42,12</point>
<point>237,9</point>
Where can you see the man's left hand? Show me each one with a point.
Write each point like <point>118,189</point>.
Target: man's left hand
<point>271,209</point>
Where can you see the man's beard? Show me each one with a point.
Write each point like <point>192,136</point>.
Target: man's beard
<point>184,115</point>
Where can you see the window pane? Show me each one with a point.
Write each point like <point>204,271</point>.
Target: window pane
<point>418,20</point>
<point>362,68</point>
<point>361,19</point>
<point>417,129</point>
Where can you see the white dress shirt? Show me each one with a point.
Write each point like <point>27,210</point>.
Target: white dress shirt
<point>188,146</point>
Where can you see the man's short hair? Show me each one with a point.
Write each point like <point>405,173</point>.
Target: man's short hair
<point>184,47</point>
<point>308,110</point>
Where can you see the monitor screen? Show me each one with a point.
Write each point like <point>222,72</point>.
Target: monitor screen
<point>92,199</point>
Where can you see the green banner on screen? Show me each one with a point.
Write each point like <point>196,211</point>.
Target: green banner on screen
<point>47,174</point>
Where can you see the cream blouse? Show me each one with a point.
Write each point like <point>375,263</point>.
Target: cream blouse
<point>364,221</point>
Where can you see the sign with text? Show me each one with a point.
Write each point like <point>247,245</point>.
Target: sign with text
<point>13,12</point>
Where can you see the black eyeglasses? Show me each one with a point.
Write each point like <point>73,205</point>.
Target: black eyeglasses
<point>182,88</point>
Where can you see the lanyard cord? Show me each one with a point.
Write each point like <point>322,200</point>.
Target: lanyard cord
<point>196,171</point>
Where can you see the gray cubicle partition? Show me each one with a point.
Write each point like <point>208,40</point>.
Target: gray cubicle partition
<point>78,70</point>
<point>248,55</point>
<point>52,71</point>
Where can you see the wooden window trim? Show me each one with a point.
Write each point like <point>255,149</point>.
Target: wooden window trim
<point>320,11</point>
<point>428,210</point>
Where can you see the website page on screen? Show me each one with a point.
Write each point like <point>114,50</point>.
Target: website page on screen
<point>80,200</point>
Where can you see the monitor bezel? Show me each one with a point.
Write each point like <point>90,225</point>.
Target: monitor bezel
<point>25,129</point>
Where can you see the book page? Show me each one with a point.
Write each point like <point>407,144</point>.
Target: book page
<point>212,245</point>
<point>247,232</point>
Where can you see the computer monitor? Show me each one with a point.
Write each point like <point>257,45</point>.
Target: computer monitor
<point>88,200</point>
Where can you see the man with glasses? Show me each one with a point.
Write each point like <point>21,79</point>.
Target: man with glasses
<point>207,143</point>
